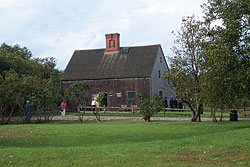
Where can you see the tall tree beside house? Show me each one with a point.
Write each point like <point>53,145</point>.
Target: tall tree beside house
<point>212,65</point>
<point>217,85</point>
<point>227,53</point>
<point>186,70</point>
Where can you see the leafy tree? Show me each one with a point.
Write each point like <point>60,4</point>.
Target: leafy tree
<point>78,94</point>
<point>45,97</point>
<point>2,100</point>
<point>23,78</point>
<point>15,91</point>
<point>14,57</point>
<point>46,66</point>
<point>20,60</point>
<point>102,98</point>
<point>149,107</point>
<point>157,103</point>
<point>11,94</point>
<point>186,71</point>
<point>227,53</point>
<point>219,80</point>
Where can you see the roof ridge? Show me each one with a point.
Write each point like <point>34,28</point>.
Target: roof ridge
<point>95,64</point>
<point>120,47</point>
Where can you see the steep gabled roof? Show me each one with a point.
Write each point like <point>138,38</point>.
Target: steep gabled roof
<point>96,64</point>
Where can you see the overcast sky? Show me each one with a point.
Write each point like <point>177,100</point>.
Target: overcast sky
<point>55,28</point>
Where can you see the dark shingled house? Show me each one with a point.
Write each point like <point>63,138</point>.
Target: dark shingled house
<point>120,71</point>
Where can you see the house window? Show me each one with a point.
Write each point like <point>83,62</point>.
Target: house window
<point>161,59</point>
<point>159,74</point>
<point>119,94</point>
<point>131,96</point>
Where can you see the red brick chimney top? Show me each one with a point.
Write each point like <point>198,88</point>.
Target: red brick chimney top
<point>112,42</point>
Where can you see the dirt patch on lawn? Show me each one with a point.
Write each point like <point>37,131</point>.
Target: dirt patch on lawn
<point>191,157</point>
<point>211,157</point>
<point>12,133</point>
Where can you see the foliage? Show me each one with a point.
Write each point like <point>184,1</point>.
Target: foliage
<point>149,107</point>
<point>186,70</point>
<point>14,57</point>
<point>12,94</point>
<point>46,67</point>
<point>212,62</point>
<point>218,79</point>
<point>145,107</point>
<point>23,78</point>
<point>45,97</point>
<point>157,103</point>
<point>227,54</point>
<point>78,94</point>
<point>102,98</point>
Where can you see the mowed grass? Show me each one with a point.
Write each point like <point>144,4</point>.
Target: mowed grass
<point>126,143</point>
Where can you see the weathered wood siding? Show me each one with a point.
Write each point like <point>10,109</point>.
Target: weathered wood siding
<point>120,86</point>
<point>158,82</point>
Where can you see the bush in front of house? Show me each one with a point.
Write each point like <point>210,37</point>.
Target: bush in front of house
<point>148,107</point>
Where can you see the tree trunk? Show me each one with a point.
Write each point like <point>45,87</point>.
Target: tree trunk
<point>21,110</point>
<point>96,113</point>
<point>10,116</point>
<point>80,117</point>
<point>78,108</point>
<point>147,119</point>
<point>221,115</point>
<point>2,109</point>
<point>213,115</point>
<point>193,113</point>
<point>197,115</point>
<point>244,111</point>
<point>199,110</point>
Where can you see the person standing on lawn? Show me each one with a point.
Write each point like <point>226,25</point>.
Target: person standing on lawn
<point>64,108</point>
<point>27,112</point>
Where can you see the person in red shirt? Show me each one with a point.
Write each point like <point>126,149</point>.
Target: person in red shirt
<point>64,108</point>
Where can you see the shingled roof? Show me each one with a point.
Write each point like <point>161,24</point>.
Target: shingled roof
<point>96,64</point>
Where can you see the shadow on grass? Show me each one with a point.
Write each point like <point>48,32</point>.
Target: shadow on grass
<point>90,133</point>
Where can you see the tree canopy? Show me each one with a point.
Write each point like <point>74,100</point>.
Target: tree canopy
<point>186,70</point>
<point>23,78</point>
<point>227,52</point>
<point>212,62</point>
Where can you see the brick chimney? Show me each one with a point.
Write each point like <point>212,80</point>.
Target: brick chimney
<point>112,42</point>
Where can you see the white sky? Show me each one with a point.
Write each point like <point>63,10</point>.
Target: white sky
<point>55,28</point>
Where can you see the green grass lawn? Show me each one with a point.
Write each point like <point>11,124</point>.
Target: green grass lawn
<point>126,143</point>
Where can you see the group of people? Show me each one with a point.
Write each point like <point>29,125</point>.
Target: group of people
<point>27,111</point>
